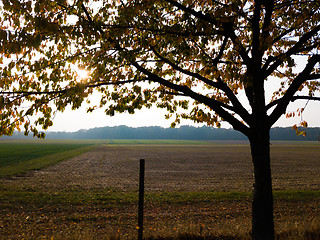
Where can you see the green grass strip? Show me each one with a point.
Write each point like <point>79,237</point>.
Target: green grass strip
<point>296,195</point>
<point>114,197</point>
<point>39,163</point>
<point>195,197</point>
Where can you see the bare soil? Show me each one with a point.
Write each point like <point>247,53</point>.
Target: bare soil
<point>178,168</point>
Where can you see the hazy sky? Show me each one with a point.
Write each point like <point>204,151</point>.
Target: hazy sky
<point>79,119</point>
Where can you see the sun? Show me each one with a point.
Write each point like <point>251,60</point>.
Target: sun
<point>83,74</point>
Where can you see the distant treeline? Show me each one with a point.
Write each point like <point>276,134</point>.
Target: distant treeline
<point>183,132</point>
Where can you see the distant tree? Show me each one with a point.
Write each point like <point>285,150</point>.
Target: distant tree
<point>166,53</point>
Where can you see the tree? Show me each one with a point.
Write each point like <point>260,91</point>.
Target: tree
<point>193,58</point>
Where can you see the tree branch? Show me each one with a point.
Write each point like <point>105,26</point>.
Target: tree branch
<point>314,76</point>
<point>294,98</point>
<point>197,14</point>
<point>161,31</point>
<point>215,105</point>
<point>222,48</point>
<point>283,102</point>
<point>238,108</point>
<point>228,27</point>
<point>187,72</point>
<point>293,50</point>
<point>305,98</point>
<point>256,56</point>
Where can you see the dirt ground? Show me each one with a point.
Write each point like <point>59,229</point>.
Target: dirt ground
<point>60,214</point>
<point>178,168</point>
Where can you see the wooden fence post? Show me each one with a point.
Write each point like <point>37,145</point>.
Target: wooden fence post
<point>141,199</point>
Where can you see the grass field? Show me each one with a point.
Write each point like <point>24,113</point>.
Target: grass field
<point>19,156</point>
<point>194,190</point>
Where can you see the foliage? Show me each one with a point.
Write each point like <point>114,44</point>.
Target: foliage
<point>140,53</point>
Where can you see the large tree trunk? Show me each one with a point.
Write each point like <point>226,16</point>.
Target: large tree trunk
<point>262,204</point>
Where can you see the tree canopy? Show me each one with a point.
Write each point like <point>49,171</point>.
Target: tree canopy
<point>141,53</point>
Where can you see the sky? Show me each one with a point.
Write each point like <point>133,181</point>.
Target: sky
<point>70,121</point>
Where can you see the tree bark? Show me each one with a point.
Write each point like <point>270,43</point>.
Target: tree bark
<point>262,203</point>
